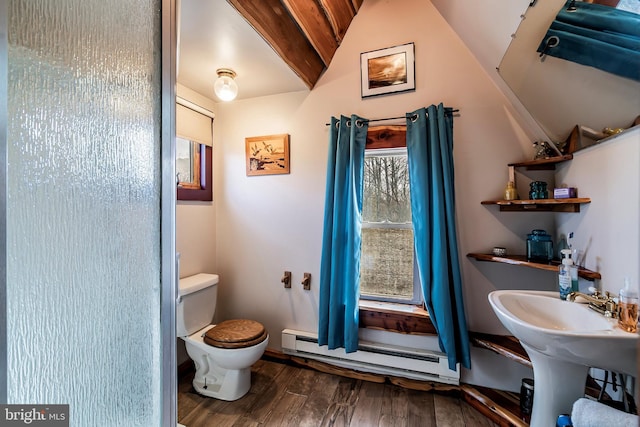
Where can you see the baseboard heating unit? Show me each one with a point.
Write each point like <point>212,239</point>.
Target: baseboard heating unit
<point>376,358</point>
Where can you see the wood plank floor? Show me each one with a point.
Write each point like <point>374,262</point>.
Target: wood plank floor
<point>284,395</point>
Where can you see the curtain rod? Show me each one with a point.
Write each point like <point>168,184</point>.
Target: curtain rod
<point>451,110</point>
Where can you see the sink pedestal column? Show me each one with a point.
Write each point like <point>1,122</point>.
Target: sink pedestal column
<point>557,385</point>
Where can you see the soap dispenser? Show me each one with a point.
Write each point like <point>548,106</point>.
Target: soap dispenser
<point>567,275</point>
<point>562,245</point>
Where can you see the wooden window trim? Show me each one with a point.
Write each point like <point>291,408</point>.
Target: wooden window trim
<point>386,137</point>
<point>204,192</point>
<point>402,318</point>
<point>196,184</point>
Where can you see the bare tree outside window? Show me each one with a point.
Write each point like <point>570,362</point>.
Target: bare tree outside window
<point>387,262</point>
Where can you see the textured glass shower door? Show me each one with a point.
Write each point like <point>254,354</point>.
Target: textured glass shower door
<point>84,250</point>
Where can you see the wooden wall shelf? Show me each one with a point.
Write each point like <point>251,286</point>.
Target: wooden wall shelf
<point>505,345</point>
<point>522,260</point>
<point>543,164</point>
<point>539,205</point>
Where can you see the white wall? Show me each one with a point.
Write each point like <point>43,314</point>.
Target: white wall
<point>486,27</point>
<point>269,224</point>
<point>608,232</point>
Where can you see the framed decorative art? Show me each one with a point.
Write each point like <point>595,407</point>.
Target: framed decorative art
<point>387,71</point>
<point>267,155</point>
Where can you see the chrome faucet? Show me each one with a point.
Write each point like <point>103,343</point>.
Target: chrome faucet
<point>603,304</point>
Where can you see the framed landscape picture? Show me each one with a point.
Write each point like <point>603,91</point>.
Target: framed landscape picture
<point>389,70</point>
<point>267,155</point>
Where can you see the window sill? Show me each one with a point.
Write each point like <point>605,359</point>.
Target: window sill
<point>402,318</point>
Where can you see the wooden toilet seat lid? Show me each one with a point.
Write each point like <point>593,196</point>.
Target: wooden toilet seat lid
<point>237,333</point>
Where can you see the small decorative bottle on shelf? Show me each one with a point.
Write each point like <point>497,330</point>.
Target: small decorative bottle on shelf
<point>510,193</point>
<point>538,190</point>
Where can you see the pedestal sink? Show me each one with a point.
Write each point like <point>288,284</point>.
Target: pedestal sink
<point>563,340</point>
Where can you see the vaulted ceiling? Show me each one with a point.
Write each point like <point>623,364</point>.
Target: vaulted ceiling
<point>304,33</point>
<point>275,46</point>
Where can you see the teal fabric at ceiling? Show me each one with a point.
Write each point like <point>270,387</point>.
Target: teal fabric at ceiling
<point>430,154</point>
<point>598,36</point>
<point>340,264</point>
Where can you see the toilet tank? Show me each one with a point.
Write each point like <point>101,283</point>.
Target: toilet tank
<point>196,303</point>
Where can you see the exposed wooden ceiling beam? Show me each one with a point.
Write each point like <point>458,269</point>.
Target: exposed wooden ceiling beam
<point>340,13</point>
<point>314,23</point>
<point>305,33</point>
<point>272,21</point>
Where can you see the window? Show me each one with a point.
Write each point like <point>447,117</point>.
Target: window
<point>387,267</point>
<point>193,154</point>
<point>193,170</point>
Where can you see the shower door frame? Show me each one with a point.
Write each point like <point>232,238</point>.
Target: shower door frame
<point>169,269</point>
<point>169,262</point>
<point>4,83</point>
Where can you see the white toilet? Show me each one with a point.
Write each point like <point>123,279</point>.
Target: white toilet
<point>223,353</point>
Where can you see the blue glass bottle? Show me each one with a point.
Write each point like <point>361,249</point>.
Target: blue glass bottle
<point>539,246</point>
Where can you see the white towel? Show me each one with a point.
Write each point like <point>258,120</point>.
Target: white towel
<point>589,413</point>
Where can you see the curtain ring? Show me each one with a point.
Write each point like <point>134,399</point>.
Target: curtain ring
<point>414,118</point>
<point>337,124</point>
<point>359,123</point>
<point>551,42</point>
<point>349,123</point>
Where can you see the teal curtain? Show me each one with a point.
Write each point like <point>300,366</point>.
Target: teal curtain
<point>430,155</point>
<point>598,36</point>
<point>340,265</point>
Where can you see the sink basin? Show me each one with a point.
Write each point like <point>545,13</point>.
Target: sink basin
<point>566,330</point>
<point>563,340</point>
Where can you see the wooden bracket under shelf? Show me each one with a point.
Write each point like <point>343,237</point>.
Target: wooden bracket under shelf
<point>508,346</point>
<point>522,260</point>
<point>548,163</point>
<point>540,205</point>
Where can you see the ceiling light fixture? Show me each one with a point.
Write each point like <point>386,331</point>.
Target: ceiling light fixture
<point>225,86</point>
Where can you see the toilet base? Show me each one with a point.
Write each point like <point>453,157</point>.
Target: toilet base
<point>223,374</point>
<point>229,385</point>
